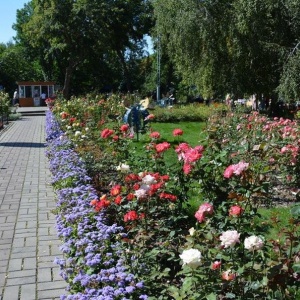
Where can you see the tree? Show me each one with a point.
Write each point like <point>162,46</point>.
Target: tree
<point>71,33</point>
<point>15,66</point>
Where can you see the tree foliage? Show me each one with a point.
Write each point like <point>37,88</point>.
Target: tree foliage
<point>74,36</point>
<point>228,46</point>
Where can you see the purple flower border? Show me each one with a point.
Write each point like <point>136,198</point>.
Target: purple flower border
<point>93,266</point>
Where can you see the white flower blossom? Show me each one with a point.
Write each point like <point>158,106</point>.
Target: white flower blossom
<point>77,133</point>
<point>229,238</point>
<point>149,179</point>
<point>123,168</point>
<point>192,231</point>
<point>191,258</point>
<point>253,242</point>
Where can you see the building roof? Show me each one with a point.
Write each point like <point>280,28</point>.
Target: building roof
<point>35,83</point>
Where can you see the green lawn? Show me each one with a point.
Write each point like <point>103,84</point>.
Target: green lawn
<point>192,132</point>
<point>275,220</point>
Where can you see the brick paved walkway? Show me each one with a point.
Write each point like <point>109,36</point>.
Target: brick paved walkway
<point>28,242</point>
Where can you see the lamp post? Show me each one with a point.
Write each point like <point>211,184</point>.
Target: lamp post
<point>158,62</point>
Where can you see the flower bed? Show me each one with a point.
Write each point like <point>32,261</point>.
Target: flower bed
<point>137,213</point>
<point>92,265</point>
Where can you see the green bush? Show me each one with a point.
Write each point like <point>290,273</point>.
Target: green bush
<point>192,112</point>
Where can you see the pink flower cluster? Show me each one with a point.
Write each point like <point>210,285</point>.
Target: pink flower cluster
<point>294,150</point>
<point>155,135</point>
<point>177,132</point>
<point>204,210</point>
<point>162,147</point>
<point>189,155</point>
<point>236,169</point>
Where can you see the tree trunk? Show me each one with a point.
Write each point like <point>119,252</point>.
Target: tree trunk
<point>68,76</point>
<point>125,70</point>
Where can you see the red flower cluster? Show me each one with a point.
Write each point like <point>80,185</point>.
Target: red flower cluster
<point>64,115</point>
<point>131,216</point>
<point>168,196</point>
<point>116,190</point>
<point>101,203</point>
<point>124,127</point>
<point>142,187</point>
<point>106,133</point>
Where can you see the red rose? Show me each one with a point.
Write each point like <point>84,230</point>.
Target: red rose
<point>124,127</point>
<point>131,216</point>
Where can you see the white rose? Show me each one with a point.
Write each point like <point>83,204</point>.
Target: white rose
<point>123,168</point>
<point>253,243</point>
<point>229,238</point>
<point>191,257</point>
<point>149,179</point>
<point>192,231</point>
<point>77,133</point>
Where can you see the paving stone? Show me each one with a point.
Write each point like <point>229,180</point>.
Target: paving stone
<point>28,291</point>
<point>11,293</point>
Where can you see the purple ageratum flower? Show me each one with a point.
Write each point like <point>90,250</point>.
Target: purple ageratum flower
<point>81,234</point>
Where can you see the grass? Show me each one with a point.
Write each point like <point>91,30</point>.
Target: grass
<point>192,133</point>
<point>275,220</point>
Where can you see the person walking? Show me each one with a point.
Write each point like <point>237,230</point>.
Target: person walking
<point>43,99</point>
<point>16,98</point>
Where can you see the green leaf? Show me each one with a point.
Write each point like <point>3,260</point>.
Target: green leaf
<point>296,268</point>
<point>211,296</point>
<point>230,296</point>
<point>295,211</point>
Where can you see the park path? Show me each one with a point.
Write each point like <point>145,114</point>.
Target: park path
<point>28,241</point>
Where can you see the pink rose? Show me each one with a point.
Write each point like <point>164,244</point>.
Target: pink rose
<point>187,168</point>
<point>155,135</point>
<point>177,132</point>
<point>240,167</point>
<point>228,275</point>
<point>235,210</point>
<point>204,210</point>
<point>216,265</point>
<point>229,171</point>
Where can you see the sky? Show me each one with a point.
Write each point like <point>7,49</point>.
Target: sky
<point>8,13</point>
